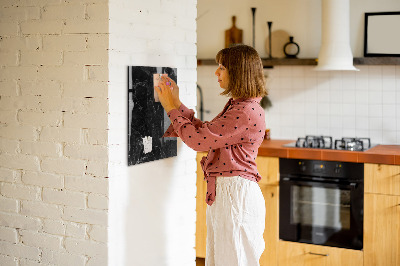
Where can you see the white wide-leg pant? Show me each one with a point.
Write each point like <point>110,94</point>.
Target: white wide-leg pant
<point>235,223</point>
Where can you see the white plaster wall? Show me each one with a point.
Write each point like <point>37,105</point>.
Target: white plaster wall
<point>152,205</point>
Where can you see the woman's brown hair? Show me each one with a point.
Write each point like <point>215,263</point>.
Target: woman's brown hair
<point>245,69</point>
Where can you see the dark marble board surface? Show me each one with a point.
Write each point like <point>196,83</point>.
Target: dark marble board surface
<point>147,120</point>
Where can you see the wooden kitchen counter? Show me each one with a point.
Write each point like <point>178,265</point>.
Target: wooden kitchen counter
<point>380,154</point>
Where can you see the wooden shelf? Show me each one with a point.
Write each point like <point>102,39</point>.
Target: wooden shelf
<point>269,63</point>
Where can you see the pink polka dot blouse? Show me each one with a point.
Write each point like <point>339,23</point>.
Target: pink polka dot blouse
<point>232,139</point>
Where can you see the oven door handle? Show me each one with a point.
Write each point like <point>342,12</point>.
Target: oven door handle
<point>319,182</point>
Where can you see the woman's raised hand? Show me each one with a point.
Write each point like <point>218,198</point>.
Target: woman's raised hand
<point>175,90</point>
<point>165,95</point>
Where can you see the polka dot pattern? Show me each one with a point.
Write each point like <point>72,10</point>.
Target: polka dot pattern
<point>232,139</point>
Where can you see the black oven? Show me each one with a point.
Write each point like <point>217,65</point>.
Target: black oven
<point>321,202</point>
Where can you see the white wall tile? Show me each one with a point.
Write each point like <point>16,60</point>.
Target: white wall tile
<point>366,101</point>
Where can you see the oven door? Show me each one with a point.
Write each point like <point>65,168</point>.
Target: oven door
<point>321,212</point>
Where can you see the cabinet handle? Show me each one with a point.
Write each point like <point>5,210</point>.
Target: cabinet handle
<point>318,254</point>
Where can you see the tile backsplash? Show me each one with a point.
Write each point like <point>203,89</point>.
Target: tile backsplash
<point>363,103</point>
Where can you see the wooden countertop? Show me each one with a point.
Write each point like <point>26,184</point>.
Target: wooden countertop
<point>380,154</point>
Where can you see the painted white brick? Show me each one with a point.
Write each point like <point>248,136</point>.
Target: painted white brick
<point>9,146</point>
<point>89,216</point>
<point>35,239</point>
<point>85,58</point>
<point>87,184</point>
<point>97,73</point>
<point>85,26</point>
<point>8,261</point>
<point>23,43</point>
<point>8,88</point>
<point>97,11</point>
<point>98,261</point>
<point>61,104</point>
<point>8,205</point>
<point>98,233</point>
<point>48,58</point>
<point>8,29</point>
<point>19,73</point>
<point>43,179</point>
<point>64,197</point>
<point>54,227</point>
<point>61,73</point>
<point>19,191</point>
<point>98,42</point>
<point>19,221</point>
<point>95,136</point>
<point>7,175</point>
<point>26,262</point>
<point>18,132</point>
<point>25,162</point>
<point>63,166</point>
<point>97,201</point>
<point>86,89</point>
<point>69,12</point>
<point>85,247</point>
<point>8,117</point>
<point>8,234</point>
<point>40,209</point>
<point>85,121</point>
<point>41,27</point>
<point>61,134</point>
<point>64,42</point>
<point>62,258</point>
<point>96,105</point>
<point>40,119</point>
<point>17,13</point>
<point>97,169</point>
<point>20,251</point>
<point>9,58</point>
<point>87,152</point>
<point>39,88</point>
<point>76,230</point>
<point>41,148</point>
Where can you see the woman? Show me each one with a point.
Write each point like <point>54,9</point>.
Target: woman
<point>236,211</point>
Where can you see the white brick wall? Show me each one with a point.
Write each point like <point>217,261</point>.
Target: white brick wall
<point>148,201</point>
<point>53,132</point>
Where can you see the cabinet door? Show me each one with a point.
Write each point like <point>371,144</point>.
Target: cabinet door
<point>382,179</point>
<point>381,230</point>
<point>201,205</point>
<point>268,167</point>
<point>271,232</point>
<point>299,254</point>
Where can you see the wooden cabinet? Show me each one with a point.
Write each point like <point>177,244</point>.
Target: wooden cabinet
<point>201,205</point>
<point>382,215</point>
<point>271,232</point>
<point>382,179</point>
<point>299,254</point>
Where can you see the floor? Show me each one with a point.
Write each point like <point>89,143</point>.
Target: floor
<point>200,262</point>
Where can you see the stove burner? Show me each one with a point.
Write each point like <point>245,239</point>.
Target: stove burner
<point>353,144</point>
<point>324,142</point>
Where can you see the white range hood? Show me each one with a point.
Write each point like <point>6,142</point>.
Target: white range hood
<point>335,53</point>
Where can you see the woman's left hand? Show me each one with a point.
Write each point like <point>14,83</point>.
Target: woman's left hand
<point>165,96</point>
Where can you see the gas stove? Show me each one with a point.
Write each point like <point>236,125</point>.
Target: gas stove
<point>326,142</point>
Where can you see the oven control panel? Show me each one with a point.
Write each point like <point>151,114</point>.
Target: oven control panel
<point>317,168</point>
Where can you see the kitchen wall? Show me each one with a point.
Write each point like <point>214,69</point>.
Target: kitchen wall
<point>152,205</point>
<point>337,103</point>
